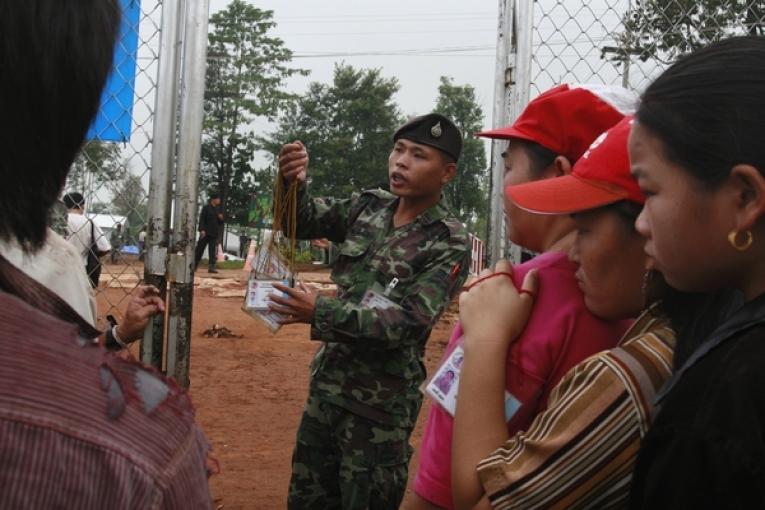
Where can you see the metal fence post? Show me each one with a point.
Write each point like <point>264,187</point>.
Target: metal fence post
<point>502,79</point>
<point>522,38</point>
<point>161,177</point>
<point>511,95</point>
<point>181,266</point>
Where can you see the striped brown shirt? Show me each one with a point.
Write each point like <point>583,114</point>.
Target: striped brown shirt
<point>82,429</point>
<point>580,452</point>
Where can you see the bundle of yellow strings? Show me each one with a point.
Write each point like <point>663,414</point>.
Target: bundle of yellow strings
<point>285,220</point>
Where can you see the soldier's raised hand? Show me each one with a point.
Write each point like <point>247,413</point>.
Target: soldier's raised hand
<point>293,161</point>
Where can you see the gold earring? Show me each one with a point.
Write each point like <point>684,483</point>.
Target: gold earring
<point>733,236</point>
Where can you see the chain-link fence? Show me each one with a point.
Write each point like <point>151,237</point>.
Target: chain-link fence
<point>140,169</point>
<point>112,170</point>
<point>543,43</point>
<point>628,42</point>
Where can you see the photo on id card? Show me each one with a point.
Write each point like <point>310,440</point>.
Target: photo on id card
<point>258,291</point>
<point>444,385</point>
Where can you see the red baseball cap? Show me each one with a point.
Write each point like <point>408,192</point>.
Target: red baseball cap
<point>567,118</point>
<point>600,177</point>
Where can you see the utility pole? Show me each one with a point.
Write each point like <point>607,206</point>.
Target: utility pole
<point>186,190</point>
<point>511,95</point>
<point>161,178</point>
<point>502,82</point>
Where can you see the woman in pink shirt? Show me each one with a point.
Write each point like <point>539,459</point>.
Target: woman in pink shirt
<point>545,141</point>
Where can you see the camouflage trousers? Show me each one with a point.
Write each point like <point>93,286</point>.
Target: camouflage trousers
<point>342,460</point>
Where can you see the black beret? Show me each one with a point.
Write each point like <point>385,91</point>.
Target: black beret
<point>434,130</point>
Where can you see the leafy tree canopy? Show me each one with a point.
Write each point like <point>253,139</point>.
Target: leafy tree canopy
<point>246,71</point>
<point>666,29</point>
<point>347,128</point>
<point>97,164</point>
<point>467,193</point>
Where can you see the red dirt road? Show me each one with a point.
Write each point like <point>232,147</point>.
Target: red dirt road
<point>249,394</point>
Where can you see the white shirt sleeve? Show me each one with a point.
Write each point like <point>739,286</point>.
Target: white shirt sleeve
<point>101,241</point>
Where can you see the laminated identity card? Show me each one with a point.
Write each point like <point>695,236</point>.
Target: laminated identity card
<point>258,291</point>
<point>268,268</point>
<point>442,388</point>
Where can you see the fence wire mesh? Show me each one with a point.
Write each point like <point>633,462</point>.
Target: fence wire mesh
<point>113,176</point>
<point>544,43</point>
<point>628,42</point>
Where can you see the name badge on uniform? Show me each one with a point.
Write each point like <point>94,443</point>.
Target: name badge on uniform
<point>442,388</point>
<point>374,298</point>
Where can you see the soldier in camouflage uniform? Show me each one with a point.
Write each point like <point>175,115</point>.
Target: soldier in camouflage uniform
<point>403,257</point>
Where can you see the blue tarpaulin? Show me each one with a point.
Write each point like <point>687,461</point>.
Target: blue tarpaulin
<point>115,114</point>
<point>130,249</point>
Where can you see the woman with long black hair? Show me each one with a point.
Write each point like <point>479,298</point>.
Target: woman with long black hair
<point>697,151</point>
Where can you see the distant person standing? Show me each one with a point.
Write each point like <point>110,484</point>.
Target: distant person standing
<point>142,243</point>
<point>210,222</point>
<point>244,245</point>
<point>115,240</point>
<point>85,236</point>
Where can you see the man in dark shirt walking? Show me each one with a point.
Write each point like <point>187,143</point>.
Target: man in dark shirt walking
<point>210,221</point>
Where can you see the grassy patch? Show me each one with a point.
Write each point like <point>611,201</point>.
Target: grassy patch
<point>230,264</point>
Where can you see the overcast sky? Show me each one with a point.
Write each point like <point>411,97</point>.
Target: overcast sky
<point>415,41</point>
<point>418,41</point>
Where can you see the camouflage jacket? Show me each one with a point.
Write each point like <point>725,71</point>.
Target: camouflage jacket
<point>371,361</point>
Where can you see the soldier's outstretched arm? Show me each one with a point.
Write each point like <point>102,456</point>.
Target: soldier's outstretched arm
<point>405,322</point>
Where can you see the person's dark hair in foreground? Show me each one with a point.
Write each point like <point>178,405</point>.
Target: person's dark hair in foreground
<point>56,56</point>
<point>79,427</point>
<point>698,155</point>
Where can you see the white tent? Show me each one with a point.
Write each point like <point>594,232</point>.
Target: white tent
<point>108,222</point>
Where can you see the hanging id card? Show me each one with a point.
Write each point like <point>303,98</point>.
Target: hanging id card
<point>377,297</point>
<point>258,291</point>
<point>256,300</point>
<point>442,388</point>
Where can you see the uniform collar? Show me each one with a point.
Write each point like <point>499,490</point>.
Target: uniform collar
<point>436,213</point>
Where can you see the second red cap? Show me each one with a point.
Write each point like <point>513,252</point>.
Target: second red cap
<point>600,177</point>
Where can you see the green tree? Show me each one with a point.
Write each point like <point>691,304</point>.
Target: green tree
<point>666,29</point>
<point>467,192</point>
<point>246,71</point>
<point>130,201</point>
<point>347,127</point>
<point>97,164</point>
<point>99,208</point>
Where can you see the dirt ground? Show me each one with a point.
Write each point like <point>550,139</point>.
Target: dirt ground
<point>249,391</point>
